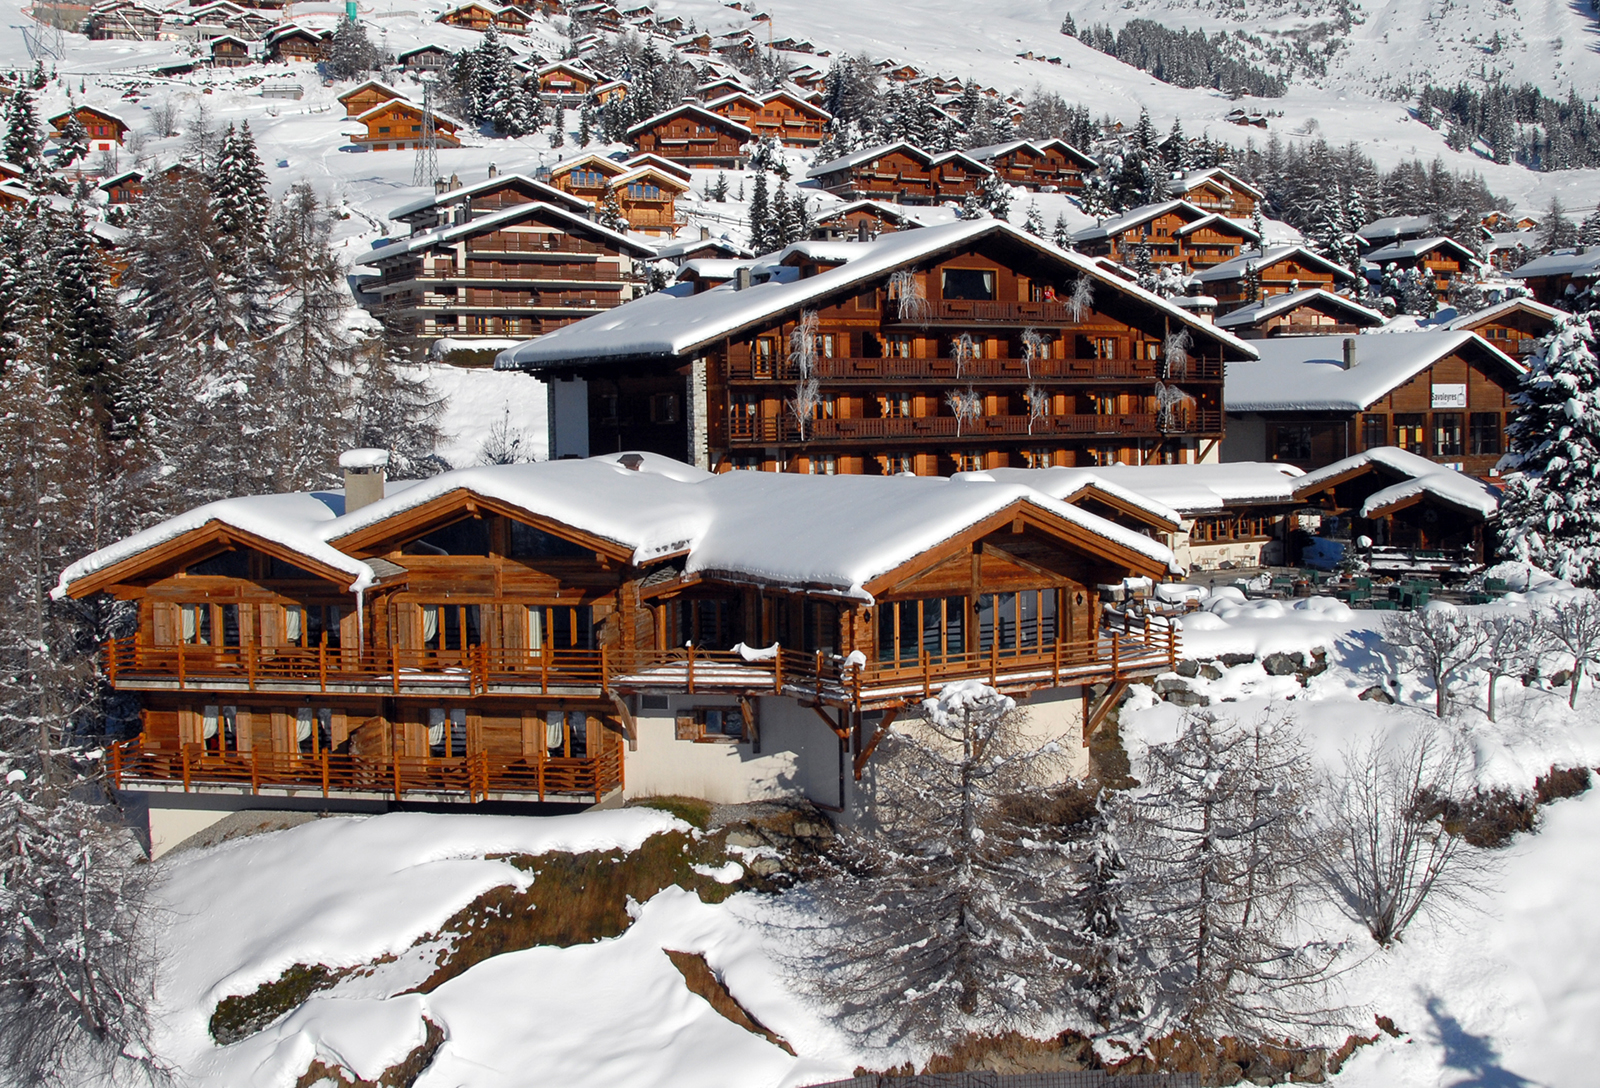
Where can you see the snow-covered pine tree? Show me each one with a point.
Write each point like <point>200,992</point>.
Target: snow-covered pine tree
<point>995,195</point>
<point>74,142</point>
<point>719,188</point>
<point>1106,978</point>
<point>558,127</point>
<point>1221,847</point>
<point>972,206</point>
<point>88,316</point>
<point>240,205</point>
<point>396,406</point>
<point>611,213</point>
<point>1176,150</point>
<point>1061,234</point>
<point>1069,26</point>
<point>351,54</point>
<point>23,145</point>
<point>760,213</point>
<point>944,916</point>
<point>1550,512</point>
<point>1033,223</point>
<point>1557,231</point>
<point>586,125</point>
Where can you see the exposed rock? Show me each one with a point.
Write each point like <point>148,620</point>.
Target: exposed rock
<point>1188,698</point>
<point>1166,685</point>
<point>1282,664</point>
<point>742,836</point>
<point>1232,660</point>
<point>1188,668</point>
<point>1561,679</point>
<point>763,865</point>
<point>1210,671</point>
<point>1377,694</point>
<point>1319,663</point>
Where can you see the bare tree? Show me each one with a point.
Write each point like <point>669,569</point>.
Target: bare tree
<point>963,349</point>
<point>803,358</point>
<point>1035,345</point>
<point>1392,858</point>
<point>906,290</point>
<point>1510,644</point>
<point>164,117</point>
<point>1573,626</point>
<point>1038,401</point>
<point>944,914</point>
<point>1221,850</point>
<point>1437,643</point>
<point>1082,297</point>
<point>966,405</point>
<point>1175,349</point>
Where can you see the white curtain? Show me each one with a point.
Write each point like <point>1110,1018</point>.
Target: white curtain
<point>430,623</point>
<point>293,624</point>
<point>302,724</point>
<point>209,716</point>
<point>436,718</point>
<point>188,612</point>
<point>535,627</point>
<point>554,728</point>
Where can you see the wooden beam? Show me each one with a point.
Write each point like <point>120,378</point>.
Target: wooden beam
<point>872,745</point>
<point>1098,716</point>
<point>834,727</point>
<point>630,728</point>
<point>1211,444</point>
<point>752,723</point>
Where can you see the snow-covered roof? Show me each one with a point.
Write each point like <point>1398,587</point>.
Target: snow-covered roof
<point>1581,261</point>
<point>1416,247</point>
<point>756,526</point>
<point>1134,217</point>
<point>676,249</point>
<point>548,193</point>
<point>1039,147</point>
<point>1217,219</point>
<point>1070,484</point>
<point>1273,305</point>
<point>1193,179</point>
<point>867,154</point>
<point>607,165</point>
<point>666,324</point>
<point>1511,305</point>
<point>1307,373</point>
<point>798,99</point>
<point>1393,226</point>
<point>423,240</point>
<point>1239,266</point>
<point>392,103</point>
<point>1416,476</point>
<point>1175,490</point>
<point>92,108</point>
<point>711,268</point>
<point>691,108</point>
<point>569,68</point>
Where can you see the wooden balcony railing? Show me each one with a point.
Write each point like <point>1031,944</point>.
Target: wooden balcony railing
<point>745,428</point>
<point>881,370</point>
<point>476,777</point>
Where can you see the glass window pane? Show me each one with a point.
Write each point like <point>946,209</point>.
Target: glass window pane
<point>908,629</point>
<point>955,625</point>
<point>985,617</point>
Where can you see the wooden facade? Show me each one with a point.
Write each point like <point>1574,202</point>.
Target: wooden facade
<point>1175,233</point>
<point>902,174</point>
<point>502,654</point>
<point>1443,258</point>
<point>106,130</point>
<point>790,120</point>
<point>1043,165</point>
<point>1423,520</point>
<point>646,195</point>
<point>519,272</point>
<point>1280,270</point>
<point>564,82</point>
<point>1515,327</point>
<point>1216,190</point>
<point>358,100</point>
<point>396,125</point>
<point>298,44</point>
<point>230,52</point>
<point>693,136</point>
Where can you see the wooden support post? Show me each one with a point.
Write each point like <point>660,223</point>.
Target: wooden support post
<point>394,764</point>
<point>255,774</point>
<point>185,750</point>
<point>322,663</point>
<point>833,726</point>
<point>324,774</point>
<point>111,661</point>
<point>994,652</point>
<point>250,664</point>
<point>927,675</point>
<point>116,766</point>
<point>777,673</point>
<point>872,745</point>
<point>544,755</point>
<point>691,666</point>
<point>818,675</point>
<point>630,728</point>
<point>394,668</point>
<point>605,669</point>
<point>544,669</point>
<point>1055,671</point>
<point>1116,662</point>
<point>180,660</point>
<point>1098,716</point>
<point>752,723</point>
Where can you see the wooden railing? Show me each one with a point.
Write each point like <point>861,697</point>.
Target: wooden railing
<point>475,776</point>
<point>896,368</point>
<point>745,427</point>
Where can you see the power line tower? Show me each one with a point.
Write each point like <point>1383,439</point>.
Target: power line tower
<point>427,168</point>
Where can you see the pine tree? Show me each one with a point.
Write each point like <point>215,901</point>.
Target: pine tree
<point>240,204</point>
<point>1061,234</point>
<point>611,213</point>
<point>719,189</point>
<point>1034,223</point>
<point>760,227</point>
<point>1589,229</point>
<point>89,316</point>
<point>74,143</point>
<point>972,206</point>
<point>995,195</point>
<point>1069,26</point>
<point>351,54</point>
<point>1550,513</point>
<point>585,126</point>
<point>558,128</point>
<point>1557,231</point>
<point>24,147</point>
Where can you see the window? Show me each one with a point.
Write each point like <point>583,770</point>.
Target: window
<point>762,352</point>
<point>528,542</point>
<point>711,624</point>
<point>219,729</point>
<point>968,460</point>
<point>1485,433</point>
<point>228,564</point>
<point>867,300</point>
<point>823,465</point>
<point>1374,432</point>
<point>313,729</point>
<point>447,732</point>
<point>932,627</point>
<point>641,191</point>
<point>1037,458</point>
<point>450,627</point>
<point>1016,622</point>
<point>1293,443</point>
<point>1105,347</point>
<point>1408,433</point>
<point>383,128</point>
<point>901,463</point>
<point>1447,434</point>
<point>895,405</point>
<point>196,624</point>
<point>278,569</point>
<point>560,626</point>
<point>470,536</point>
<point>722,723</point>
<point>664,408</point>
<point>587,179</point>
<point>968,284</point>
<point>307,624</point>
<point>898,346</point>
<point>566,733</point>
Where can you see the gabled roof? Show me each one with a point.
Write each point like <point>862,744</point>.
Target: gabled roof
<point>669,325</point>
<point>1307,373</point>
<point>1390,227</point>
<point>84,106</point>
<point>371,84</point>
<point>547,193</point>
<point>569,68</point>
<point>418,242</point>
<point>1580,261</point>
<point>1415,479</point>
<point>126,175</point>
<point>607,166</point>
<point>795,100</point>
<point>898,214</point>
<point>1219,222</point>
<point>867,154</point>
<point>694,109</point>
<point>1494,313</point>
<point>734,97</point>
<point>1196,178</point>
<point>668,181</point>
<point>676,249</point>
<point>289,30</point>
<point>1273,305</point>
<point>1401,251</point>
<point>406,103</point>
<point>1135,217</point>
<point>1239,267</point>
<point>1179,490</point>
<point>1038,147</point>
<point>648,158</point>
<point>431,47</point>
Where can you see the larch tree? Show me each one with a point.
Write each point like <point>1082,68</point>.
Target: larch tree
<point>1550,513</point>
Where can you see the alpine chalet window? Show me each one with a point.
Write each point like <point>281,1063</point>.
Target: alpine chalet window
<point>1374,432</point>
<point>561,626</point>
<point>933,627</point>
<point>1447,434</point>
<point>1016,622</point>
<point>469,536</point>
<point>447,732</point>
<point>450,627</point>
<point>1293,443</point>
<point>528,542</point>
<point>1484,436</point>
<point>969,284</point>
<point>1409,433</point>
<point>664,408</point>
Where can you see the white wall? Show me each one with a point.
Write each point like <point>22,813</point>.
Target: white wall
<point>569,418</point>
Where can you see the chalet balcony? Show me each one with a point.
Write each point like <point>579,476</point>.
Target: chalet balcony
<point>964,312</point>
<point>893,369</point>
<point>758,430</point>
<point>481,776</point>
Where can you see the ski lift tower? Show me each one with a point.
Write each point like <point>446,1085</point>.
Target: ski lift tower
<point>427,166</point>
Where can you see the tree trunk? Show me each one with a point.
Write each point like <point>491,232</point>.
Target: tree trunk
<point>1577,675</point>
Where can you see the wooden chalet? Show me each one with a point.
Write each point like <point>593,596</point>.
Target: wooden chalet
<point>1556,279</point>
<point>1048,165</point>
<point>106,130</point>
<point>554,632</point>
<point>425,58</point>
<point>1443,258</point>
<point>123,20</point>
<point>396,125</point>
<point>565,82</point>
<point>1316,312</point>
<point>472,16</point>
<point>1309,401</point>
<point>598,14</point>
<point>1217,190</point>
<point>1172,233</point>
<point>589,176</point>
<point>512,20</point>
<point>298,43</point>
<point>13,195</point>
<point>611,89</point>
<point>1399,500</point>
<point>721,88</point>
<point>123,188</point>
<point>231,51</point>
<point>648,197</point>
<point>1515,326</point>
<point>904,322</point>
<point>691,135</point>
<point>861,219</point>
<point>684,250</point>
<point>508,257</point>
<point>901,173</point>
<point>779,115</point>
<point>1277,270</point>
<point>360,99</point>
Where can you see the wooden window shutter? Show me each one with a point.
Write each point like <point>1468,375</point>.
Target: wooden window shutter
<point>685,727</point>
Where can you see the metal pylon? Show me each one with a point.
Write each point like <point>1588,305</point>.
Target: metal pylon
<point>427,168</point>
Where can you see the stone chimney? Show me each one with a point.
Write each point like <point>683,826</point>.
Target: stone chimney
<point>438,186</point>
<point>861,231</point>
<point>455,182</point>
<point>741,279</point>
<point>494,171</point>
<point>364,477</point>
<point>1349,352</point>
<point>705,233</point>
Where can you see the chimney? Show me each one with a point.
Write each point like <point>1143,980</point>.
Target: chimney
<point>494,171</point>
<point>631,461</point>
<point>861,231</point>
<point>741,279</point>
<point>455,182</point>
<point>438,186</point>
<point>705,233</point>
<point>1349,352</point>
<point>363,477</point>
